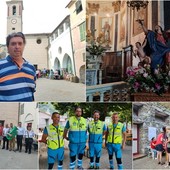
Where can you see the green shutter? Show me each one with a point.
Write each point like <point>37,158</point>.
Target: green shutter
<point>82,28</point>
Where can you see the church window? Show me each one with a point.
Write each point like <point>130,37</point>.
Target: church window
<point>82,29</point>
<point>59,50</point>
<point>38,41</point>
<point>14,10</point>
<point>61,29</point>
<point>79,7</point>
<point>67,25</point>
<point>22,109</point>
<point>56,34</point>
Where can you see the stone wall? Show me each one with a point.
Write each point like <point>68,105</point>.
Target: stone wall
<point>146,116</point>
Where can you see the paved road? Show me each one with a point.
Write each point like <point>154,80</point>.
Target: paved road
<point>147,163</point>
<point>127,159</point>
<point>17,160</point>
<point>59,90</point>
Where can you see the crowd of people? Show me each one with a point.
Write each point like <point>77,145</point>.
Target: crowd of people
<point>75,132</point>
<point>10,135</point>
<point>161,145</point>
<point>47,73</point>
<point>52,74</point>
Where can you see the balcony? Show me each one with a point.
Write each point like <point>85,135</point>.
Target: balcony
<point>117,91</point>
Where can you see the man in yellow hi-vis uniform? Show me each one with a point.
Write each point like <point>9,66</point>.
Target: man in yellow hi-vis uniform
<point>96,131</point>
<point>115,140</point>
<point>77,127</point>
<point>53,136</point>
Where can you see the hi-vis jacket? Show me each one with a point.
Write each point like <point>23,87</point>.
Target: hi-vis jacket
<point>95,131</point>
<point>55,137</point>
<point>115,134</point>
<point>77,130</point>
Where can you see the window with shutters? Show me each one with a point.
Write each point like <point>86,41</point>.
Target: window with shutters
<point>82,28</point>
<point>79,7</point>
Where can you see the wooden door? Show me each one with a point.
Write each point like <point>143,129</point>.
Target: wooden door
<point>135,139</point>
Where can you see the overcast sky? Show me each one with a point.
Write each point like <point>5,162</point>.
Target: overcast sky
<point>39,16</point>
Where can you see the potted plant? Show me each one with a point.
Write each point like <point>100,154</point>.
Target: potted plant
<point>95,49</point>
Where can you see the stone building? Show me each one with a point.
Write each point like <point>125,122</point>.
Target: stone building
<point>14,16</point>
<point>9,113</point>
<point>148,119</point>
<point>27,113</point>
<point>36,49</point>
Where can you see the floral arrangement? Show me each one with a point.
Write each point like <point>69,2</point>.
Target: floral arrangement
<point>95,49</point>
<point>143,79</point>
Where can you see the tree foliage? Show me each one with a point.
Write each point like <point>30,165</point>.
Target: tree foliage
<point>106,109</point>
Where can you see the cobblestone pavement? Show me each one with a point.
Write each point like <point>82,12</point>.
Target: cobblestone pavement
<point>59,90</point>
<point>17,160</point>
<point>127,159</point>
<point>148,163</point>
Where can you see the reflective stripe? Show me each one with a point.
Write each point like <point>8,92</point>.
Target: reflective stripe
<point>115,134</point>
<point>55,137</point>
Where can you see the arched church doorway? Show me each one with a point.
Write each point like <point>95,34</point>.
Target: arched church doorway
<point>56,64</point>
<point>28,120</point>
<point>82,74</point>
<point>67,65</point>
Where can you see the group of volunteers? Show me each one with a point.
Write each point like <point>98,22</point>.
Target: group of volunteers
<point>76,132</point>
<point>11,134</point>
<point>161,144</point>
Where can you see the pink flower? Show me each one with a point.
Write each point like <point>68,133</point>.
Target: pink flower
<point>136,85</point>
<point>157,85</point>
<point>131,73</point>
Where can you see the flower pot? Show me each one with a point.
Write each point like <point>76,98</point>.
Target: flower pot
<point>150,97</point>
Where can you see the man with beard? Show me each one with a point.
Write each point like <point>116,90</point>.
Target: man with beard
<point>77,127</point>
<point>96,129</point>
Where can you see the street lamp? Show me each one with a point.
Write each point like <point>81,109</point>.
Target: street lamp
<point>137,4</point>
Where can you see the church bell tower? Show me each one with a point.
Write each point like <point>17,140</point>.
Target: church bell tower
<point>14,16</point>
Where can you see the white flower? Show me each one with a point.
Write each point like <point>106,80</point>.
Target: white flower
<point>156,71</point>
<point>145,75</point>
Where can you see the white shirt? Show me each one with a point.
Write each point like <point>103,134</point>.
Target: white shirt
<point>5,131</point>
<point>29,134</point>
<point>20,131</point>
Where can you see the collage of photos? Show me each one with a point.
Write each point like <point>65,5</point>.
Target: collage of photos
<point>85,84</point>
